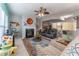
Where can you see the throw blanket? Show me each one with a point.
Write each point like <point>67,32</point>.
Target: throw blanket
<point>73,48</point>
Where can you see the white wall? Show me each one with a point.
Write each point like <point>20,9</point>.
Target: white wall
<point>17,19</point>
<point>22,27</point>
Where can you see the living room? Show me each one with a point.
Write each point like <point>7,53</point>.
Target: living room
<point>38,29</point>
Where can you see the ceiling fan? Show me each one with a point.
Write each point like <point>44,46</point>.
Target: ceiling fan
<point>42,11</point>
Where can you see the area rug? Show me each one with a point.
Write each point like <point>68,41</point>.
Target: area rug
<point>44,48</point>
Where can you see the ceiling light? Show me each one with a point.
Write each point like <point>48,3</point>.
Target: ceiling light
<point>66,16</point>
<point>62,18</point>
<point>40,14</point>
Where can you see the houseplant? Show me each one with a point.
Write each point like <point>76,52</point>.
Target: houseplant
<point>37,37</point>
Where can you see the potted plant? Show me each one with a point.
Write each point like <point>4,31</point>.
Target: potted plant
<point>38,36</point>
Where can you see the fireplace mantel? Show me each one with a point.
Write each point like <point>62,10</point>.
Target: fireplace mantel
<point>29,32</point>
<point>24,31</point>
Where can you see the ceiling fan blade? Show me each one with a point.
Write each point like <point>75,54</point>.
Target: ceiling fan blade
<point>36,14</point>
<point>46,12</point>
<point>36,11</point>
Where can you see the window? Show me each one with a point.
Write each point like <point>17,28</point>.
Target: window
<point>3,22</point>
<point>6,23</point>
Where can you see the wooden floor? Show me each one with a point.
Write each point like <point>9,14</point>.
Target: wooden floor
<point>28,46</point>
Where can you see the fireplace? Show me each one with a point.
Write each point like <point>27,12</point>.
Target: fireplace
<point>29,33</point>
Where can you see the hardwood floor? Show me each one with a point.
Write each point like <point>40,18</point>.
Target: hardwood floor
<point>28,46</point>
<point>21,51</point>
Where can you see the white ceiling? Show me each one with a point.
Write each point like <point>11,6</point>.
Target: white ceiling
<point>55,9</point>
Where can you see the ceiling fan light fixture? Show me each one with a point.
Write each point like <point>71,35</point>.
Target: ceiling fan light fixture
<point>40,14</point>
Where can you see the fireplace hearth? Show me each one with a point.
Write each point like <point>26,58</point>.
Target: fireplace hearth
<point>29,33</point>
